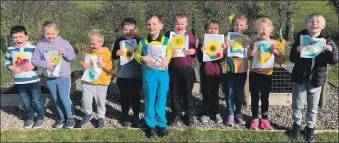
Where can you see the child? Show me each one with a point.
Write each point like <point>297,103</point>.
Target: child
<point>155,82</point>
<point>309,75</point>
<point>210,78</point>
<point>26,78</point>
<point>182,75</point>
<point>129,76</point>
<point>58,86</point>
<point>98,87</point>
<point>260,79</point>
<point>235,79</point>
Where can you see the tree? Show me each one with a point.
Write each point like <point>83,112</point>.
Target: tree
<point>335,7</point>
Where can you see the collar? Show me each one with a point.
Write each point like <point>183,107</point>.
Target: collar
<point>149,38</point>
<point>26,45</point>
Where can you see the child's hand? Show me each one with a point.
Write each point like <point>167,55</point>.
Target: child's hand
<point>251,53</point>
<point>189,52</point>
<point>300,48</point>
<point>50,66</point>
<point>224,46</point>
<point>202,47</point>
<point>119,53</point>
<point>247,44</point>
<point>228,43</point>
<point>85,65</point>
<point>15,69</point>
<point>274,50</point>
<point>165,62</point>
<point>147,60</point>
<point>101,64</point>
<point>28,67</point>
<point>328,48</point>
<point>61,51</point>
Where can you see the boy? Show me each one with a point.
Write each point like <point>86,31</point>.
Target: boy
<point>98,87</point>
<point>155,80</point>
<point>26,78</point>
<point>309,75</point>
<point>182,75</point>
<point>129,76</point>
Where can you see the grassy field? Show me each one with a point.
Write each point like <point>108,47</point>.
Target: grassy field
<point>136,135</point>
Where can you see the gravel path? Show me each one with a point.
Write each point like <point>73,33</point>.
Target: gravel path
<point>280,116</point>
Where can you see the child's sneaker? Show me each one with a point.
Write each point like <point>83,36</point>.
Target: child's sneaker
<point>38,124</point>
<point>204,119</point>
<point>28,124</point>
<point>85,120</point>
<point>240,119</point>
<point>230,121</point>
<point>69,124</point>
<point>255,124</point>
<point>59,123</point>
<point>101,123</point>
<point>265,124</point>
<point>218,119</point>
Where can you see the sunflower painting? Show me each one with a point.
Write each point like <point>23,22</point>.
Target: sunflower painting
<point>313,46</point>
<point>179,44</point>
<point>213,50</point>
<point>263,57</point>
<point>55,58</point>
<point>128,48</point>
<point>237,49</point>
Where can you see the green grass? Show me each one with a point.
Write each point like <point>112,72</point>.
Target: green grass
<point>333,74</point>
<point>136,135</point>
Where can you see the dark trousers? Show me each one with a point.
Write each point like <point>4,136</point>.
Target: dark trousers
<point>210,94</point>
<point>181,85</point>
<point>260,83</point>
<point>129,89</point>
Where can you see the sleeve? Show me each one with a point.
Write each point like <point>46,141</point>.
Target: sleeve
<point>8,59</point>
<point>116,47</point>
<point>192,44</point>
<point>137,55</point>
<point>109,64</point>
<point>281,58</point>
<point>294,55</point>
<point>69,53</point>
<point>331,57</point>
<point>37,58</point>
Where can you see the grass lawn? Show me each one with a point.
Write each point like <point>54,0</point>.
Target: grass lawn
<point>136,135</point>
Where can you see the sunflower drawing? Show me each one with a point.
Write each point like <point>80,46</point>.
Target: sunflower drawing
<point>127,54</point>
<point>55,58</point>
<point>213,50</point>
<point>178,41</point>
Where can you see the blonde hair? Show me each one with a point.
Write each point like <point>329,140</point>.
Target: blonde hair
<point>264,20</point>
<point>98,34</point>
<point>314,16</point>
<point>48,24</point>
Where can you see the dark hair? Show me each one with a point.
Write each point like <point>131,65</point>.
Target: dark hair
<point>17,29</point>
<point>128,20</point>
<point>149,16</point>
<point>209,23</point>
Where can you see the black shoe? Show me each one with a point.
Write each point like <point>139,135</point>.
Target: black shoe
<point>126,121</point>
<point>176,121</point>
<point>136,121</point>
<point>189,120</point>
<point>309,134</point>
<point>295,133</point>
<point>149,132</point>
<point>163,132</point>
<point>101,123</point>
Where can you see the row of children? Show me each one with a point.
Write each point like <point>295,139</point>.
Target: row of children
<point>176,73</point>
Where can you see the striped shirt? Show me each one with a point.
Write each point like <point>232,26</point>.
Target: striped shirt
<point>23,77</point>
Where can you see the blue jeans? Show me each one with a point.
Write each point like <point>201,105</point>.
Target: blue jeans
<point>60,89</point>
<point>31,98</point>
<point>235,83</point>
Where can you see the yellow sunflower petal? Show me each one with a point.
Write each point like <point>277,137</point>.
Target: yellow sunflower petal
<point>178,41</point>
<point>213,48</point>
<point>55,58</point>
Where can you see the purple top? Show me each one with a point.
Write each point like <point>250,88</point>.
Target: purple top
<point>39,60</point>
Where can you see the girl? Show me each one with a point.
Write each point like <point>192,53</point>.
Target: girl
<point>236,69</point>
<point>210,79</point>
<point>260,79</point>
<point>58,86</point>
